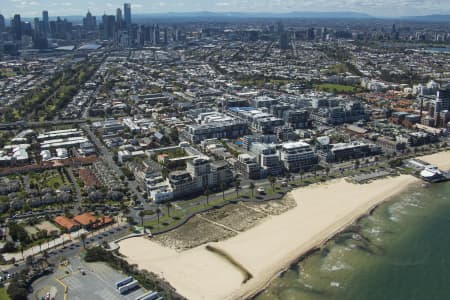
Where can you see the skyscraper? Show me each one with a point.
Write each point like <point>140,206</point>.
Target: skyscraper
<point>2,23</point>
<point>37,27</point>
<point>89,22</point>
<point>16,28</point>
<point>119,19</point>
<point>127,14</point>
<point>284,41</point>
<point>109,26</point>
<point>45,23</point>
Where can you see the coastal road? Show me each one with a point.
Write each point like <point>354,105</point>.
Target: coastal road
<point>73,249</point>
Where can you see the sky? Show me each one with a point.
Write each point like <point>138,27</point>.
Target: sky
<point>381,8</point>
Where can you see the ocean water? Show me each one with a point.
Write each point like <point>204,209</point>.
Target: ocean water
<point>400,252</point>
<point>441,50</point>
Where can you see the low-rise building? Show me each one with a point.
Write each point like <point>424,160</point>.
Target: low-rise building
<point>346,151</point>
<point>297,156</point>
<point>229,130</point>
<point>248,166</point>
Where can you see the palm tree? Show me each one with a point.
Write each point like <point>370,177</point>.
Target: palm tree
<point>83,237</point>
<point>168,206</point>
<point>45,254</point>
<point>29,261</point>
<point>222,187</point>
<point>21,249</point>
<point>252,188</point>
<point>237,187</point>
<point>315,168</point>
<point>158,213</point>
<point>141,215</point>
<point>91,223</point>
<point>327,170</point>
<point>272,181</point>
<point>207,193</point>
<point>301,175</point>
<point>288,176</point>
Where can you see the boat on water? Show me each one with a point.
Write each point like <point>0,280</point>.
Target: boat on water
<point>433,174</point>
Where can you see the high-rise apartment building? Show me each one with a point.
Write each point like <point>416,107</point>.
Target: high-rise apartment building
<point>90,22</point>
<point>45,23</point>
<point>2,23</point>
<point>127,14</point>
<point>119,18</point>
<point>16,27</point>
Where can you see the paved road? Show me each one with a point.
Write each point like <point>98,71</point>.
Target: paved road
<point>108,159</point>
<point>78,195</point>
<point>73,248</point>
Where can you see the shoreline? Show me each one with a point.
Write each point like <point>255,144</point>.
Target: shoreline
<point>440,159</point>
<point>279,241</point>
<point>317,247</point>
<point>267,250</point>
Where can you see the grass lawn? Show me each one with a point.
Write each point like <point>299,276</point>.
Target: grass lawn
<point>4,295</point>
<point>338,88</point>
<point>55,181</point>
<point>7,73</point>
<point>165,221</point>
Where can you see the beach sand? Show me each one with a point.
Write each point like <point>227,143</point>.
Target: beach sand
<point>270,247</point>
<point>440,160</point>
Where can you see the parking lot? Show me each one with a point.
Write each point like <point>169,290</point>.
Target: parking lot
<point>97,283</point>
<point>84,281</point>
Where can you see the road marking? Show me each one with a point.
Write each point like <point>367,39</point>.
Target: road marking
<point>65,287</point>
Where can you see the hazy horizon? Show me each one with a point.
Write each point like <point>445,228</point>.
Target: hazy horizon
<point>376,8</point>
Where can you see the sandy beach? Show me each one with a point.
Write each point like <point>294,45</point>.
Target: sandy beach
<point>440,160</point>
<point>265,250</point>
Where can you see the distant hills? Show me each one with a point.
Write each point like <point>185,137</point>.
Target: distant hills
<point>429,18</point>
<point>223,16</point>
<point>296,14</point>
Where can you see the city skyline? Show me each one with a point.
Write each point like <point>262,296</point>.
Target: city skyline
<point>374,8</point>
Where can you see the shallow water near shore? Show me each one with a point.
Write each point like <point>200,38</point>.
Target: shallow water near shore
<point>401,251</point>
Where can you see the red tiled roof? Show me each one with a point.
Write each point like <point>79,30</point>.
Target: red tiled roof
<point>90,218</point>
<point>85,219</point>
<point>65,222</point>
